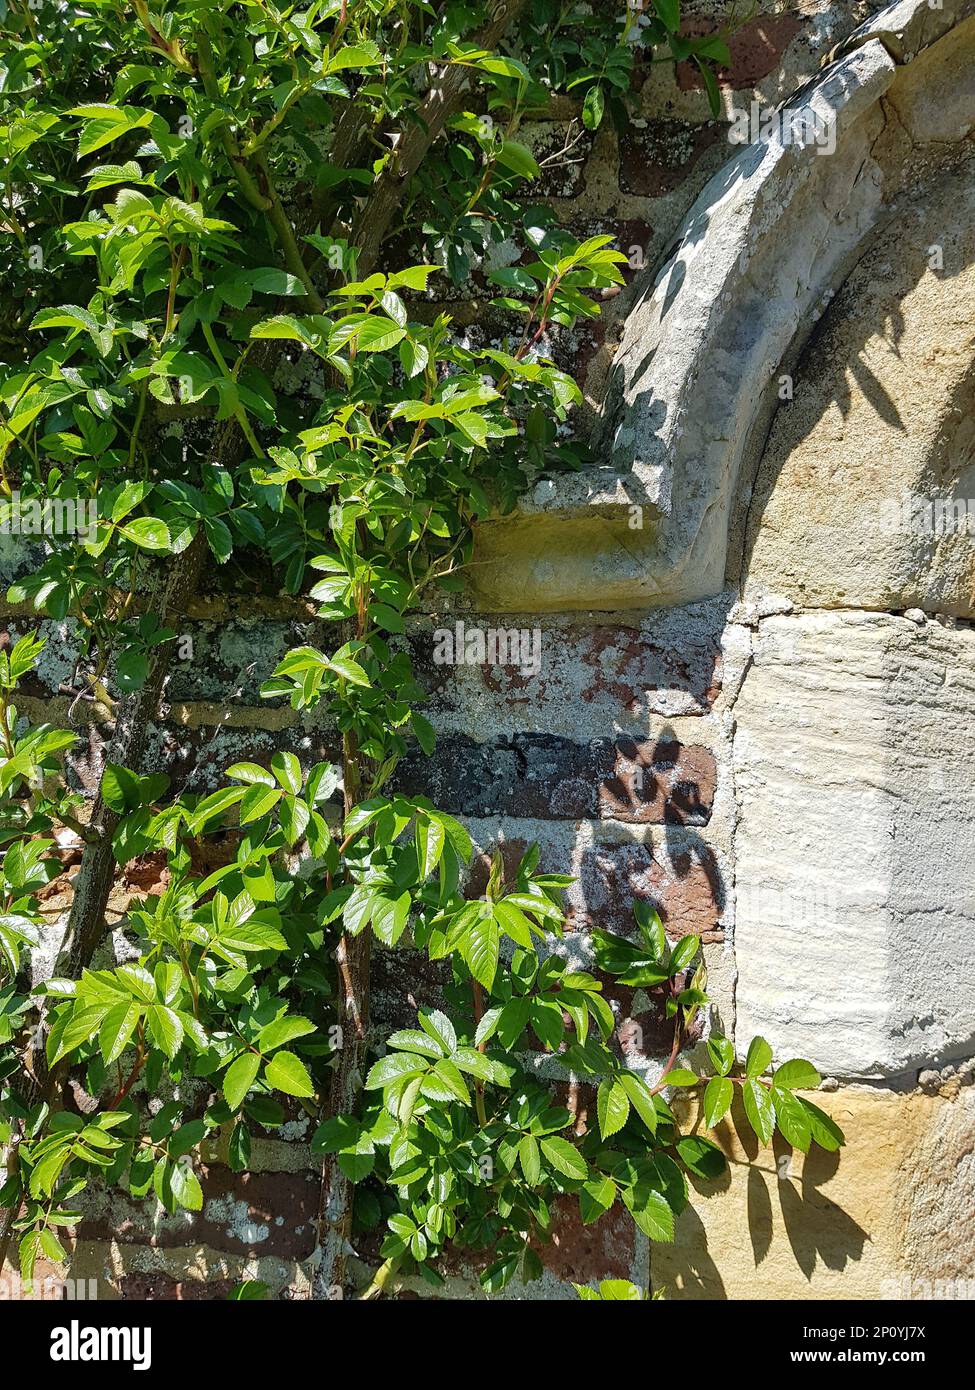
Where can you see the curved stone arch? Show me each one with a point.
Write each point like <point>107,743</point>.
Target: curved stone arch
<point>761,254</point>
<point>692,389</point>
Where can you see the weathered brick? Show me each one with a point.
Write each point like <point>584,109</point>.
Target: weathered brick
<point>645,781</point>
<point>243,1213</point>
<point>659,781</point>
<point>686,886</point>
<point>604,1250</point>
<point>594,675</point>
<point>756,50</point>
<point>657,158</point>
<point>162,1288</point>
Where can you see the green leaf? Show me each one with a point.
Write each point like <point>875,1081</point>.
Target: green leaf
<point>131,669</point>
<point>758,1057</point>
<point>530,1159</point>
<point>718,1095</point>
<point>250,773</point>
<point>822,1127</point>
<point>796,1074</point>
<point>651,1212</point>
<point>286,1072</point>
<point>257,801</point>
<point>130,496</point>
<point>165,1028</point>
<point>287,770</point>
<point>612,1107</point>
<point>702,1157</point>
<point>445,1077</point>
<point>710,85</point>
<point>759,1109</point>
<point>792,1120</point>
<point>683,953</point>
<point>430,840</point>
<point>640,1098</point>
<point>518,158</point>
<point>651,928</point>
<point>272,281</point>
<point>596,1198</point>
<point>513,1020</point>
<point>118,1027</point>
<point>393,1068</point>
<point>565,1158</point>
<point>283,1030</point>
<point>390,916</point>
<point>185,1187</point>
<point>355,55</point>
<point>722,1054</point>
<point>593,108</point>
<point>248,1290</point>
<point>240,1077</point>
<point>481,950</point>
<point>680,1076</point>
<point>669,12</point>
<point>148,533</point>
<point>378,334</point>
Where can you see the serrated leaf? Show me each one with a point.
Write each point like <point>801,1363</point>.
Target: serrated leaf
<point>596,1198</point>
<point>565,1158</point>
<point>612,1107</point>
<point>641,1099</point>
<point>822,1127</point>
<point>481,950</point>
<point>722,1054</point>
<point>702,1157</point>
<point>240,1077</point>
<point>530,1159</point>
<point>718,1095</point>
<point>115,1032</point>
<point>287,1073</point>
<point>758,1057</point>
<point>796,1074</point>
<point>759,1109</point>
<point>792,1120</point>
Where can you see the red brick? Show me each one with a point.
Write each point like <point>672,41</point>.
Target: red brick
<point>756,50</point>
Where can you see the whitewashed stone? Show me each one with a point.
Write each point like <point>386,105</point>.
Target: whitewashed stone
<point>855,846</point>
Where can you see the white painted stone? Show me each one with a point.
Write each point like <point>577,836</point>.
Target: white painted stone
<point>855,847</point>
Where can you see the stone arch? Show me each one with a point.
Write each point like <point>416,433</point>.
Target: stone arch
<point>693,386</point>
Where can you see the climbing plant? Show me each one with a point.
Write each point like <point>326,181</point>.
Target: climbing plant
<point>200,201</point>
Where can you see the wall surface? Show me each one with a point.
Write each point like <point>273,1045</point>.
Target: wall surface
<point>755,705</point>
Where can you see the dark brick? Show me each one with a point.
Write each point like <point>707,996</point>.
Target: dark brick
<point>658,158</point>
<point>535,775</point>
<point>161,1288</point>
<point>240,1214</point>
<point>542,776</point>
<point>756,50</point>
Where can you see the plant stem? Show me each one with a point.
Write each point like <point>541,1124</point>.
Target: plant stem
<point>445,93</point>
<point>381,1278</point>
<point>352,956</point>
